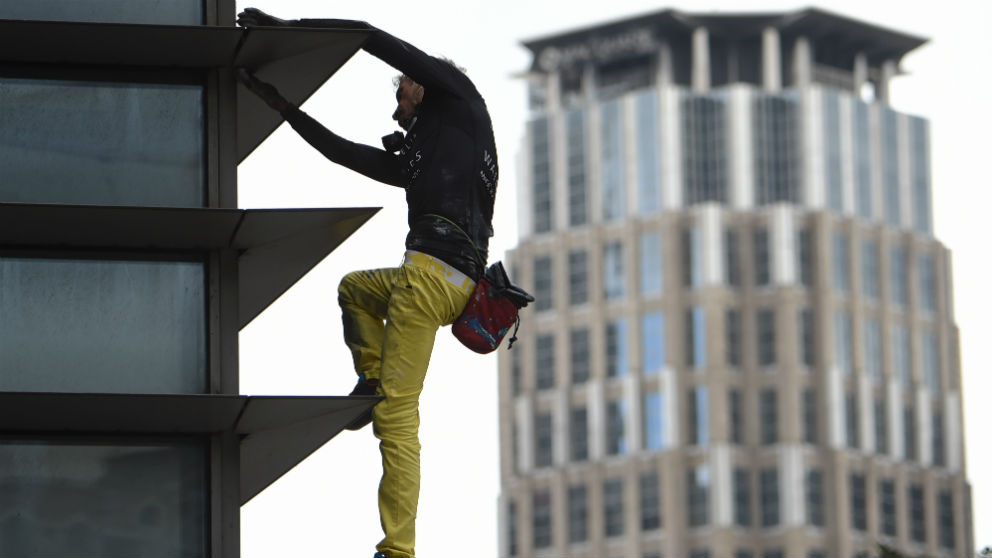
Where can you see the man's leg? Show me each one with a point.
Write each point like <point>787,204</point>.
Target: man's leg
<point>364,299</point>
<point>419,304</point>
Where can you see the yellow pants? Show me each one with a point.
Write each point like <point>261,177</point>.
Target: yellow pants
<point>390,319</point>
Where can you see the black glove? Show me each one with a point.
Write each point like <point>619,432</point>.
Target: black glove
<point>253,17</point>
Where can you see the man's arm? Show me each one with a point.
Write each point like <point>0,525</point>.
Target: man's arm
<point>431,72</point>
<point>376,164</point>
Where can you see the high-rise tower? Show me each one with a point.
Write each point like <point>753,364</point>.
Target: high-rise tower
<point>743,343</point>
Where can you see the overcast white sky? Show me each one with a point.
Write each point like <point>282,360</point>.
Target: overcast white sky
<point>327,505</point>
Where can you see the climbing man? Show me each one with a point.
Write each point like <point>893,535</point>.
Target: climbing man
<point>446,161</point>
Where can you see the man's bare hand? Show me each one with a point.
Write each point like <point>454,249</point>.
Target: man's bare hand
<point>253,17</point>
<point>265,91</point>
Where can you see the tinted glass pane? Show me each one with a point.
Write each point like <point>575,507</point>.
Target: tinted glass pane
<point>102,326</point>
<point>77,499</point>
<point>173,12</point>
<point>101,143</point>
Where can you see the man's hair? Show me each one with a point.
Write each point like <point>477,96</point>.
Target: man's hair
<point>399,78</point>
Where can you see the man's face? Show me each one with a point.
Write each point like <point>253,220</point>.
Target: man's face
<point>408,96</point>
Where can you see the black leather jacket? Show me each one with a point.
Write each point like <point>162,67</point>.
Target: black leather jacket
<point>447,162</point>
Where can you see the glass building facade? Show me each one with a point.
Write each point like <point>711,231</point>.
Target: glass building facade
<point>766,331</point>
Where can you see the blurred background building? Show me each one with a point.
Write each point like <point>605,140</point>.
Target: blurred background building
<point>743,341</point>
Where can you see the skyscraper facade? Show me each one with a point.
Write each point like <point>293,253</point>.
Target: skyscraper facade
<point>743,342</point>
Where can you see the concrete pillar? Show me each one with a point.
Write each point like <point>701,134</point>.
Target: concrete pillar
<point>711,233</point>
<point>664,75</point>
<point>771,60</point>
<point>722,485</point>
<point>700,60</point>
<point>589,83</point>
<point>802,63</point>
<point>596,409</point>
<point>860,73</point>
<point>836,417</point>
<point>952,428</point>
<point>525,433</point>
<point>553,89</point>
<point>889,71</point>
<point>741,150</point>
<point>782,235</point>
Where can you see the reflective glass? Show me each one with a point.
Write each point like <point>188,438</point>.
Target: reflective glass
<point>541,174</point>
<point>173,12</point>
<point>80,142</point>
<point>653,342</point>
<point>650,260</point>
<point>648,152</point>
<point>79,499</point>
<point>616,348</point>
<point>613,274</point>
<point>654,421</point>
<point>612,161</point>
<point>576,146</point>
<point>102,326</point>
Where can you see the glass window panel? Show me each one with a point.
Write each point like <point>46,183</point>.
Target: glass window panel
<point>815,498</point>
<point>579,434</point>
<point>769,497</point>
<point>578,514</point>
<point>766,337</point>
<point>543,440</point>
<point>55,146</point>
<point>578,210</point>
<point>862,158</point>
<point>742,497</point>
<point>616,348</point>
<point>705,155</point>
<point>859,502</point>
<point>81,498</point>
<point>133,326</point>
<point>695,337</point>
<point>698,484</point>
<point>540,168</point>
<point>776,143</point>
<point>841,255</point>
<point>654,417</point>
<point>653,342</point>
<point>613,275</point>
<point>650,261</point>
<point>650,492</point>
<point>616,443</point>
<point>869,268</point>
<point>889,136</point>
<point>173,12</point>
<point>769,417</point>
<point>579,354</point>
<point>919,170</point>
<point>612,161</point>
<point>762,258</point>
<point>887,506</point>
<point>832,149</point>
<point>543,284</point>
<point>732,264</point>
<point>578,277</point>
<point>648,152</point>
<point>544,361</point>
<point>542,519</point>
<point>732,330</point>
<point>613,507</point>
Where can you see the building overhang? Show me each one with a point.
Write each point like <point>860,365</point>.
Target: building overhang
<point>274,247</point>
<point>297,60</point>
<point>275,433</point>
<point>642,33</point>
